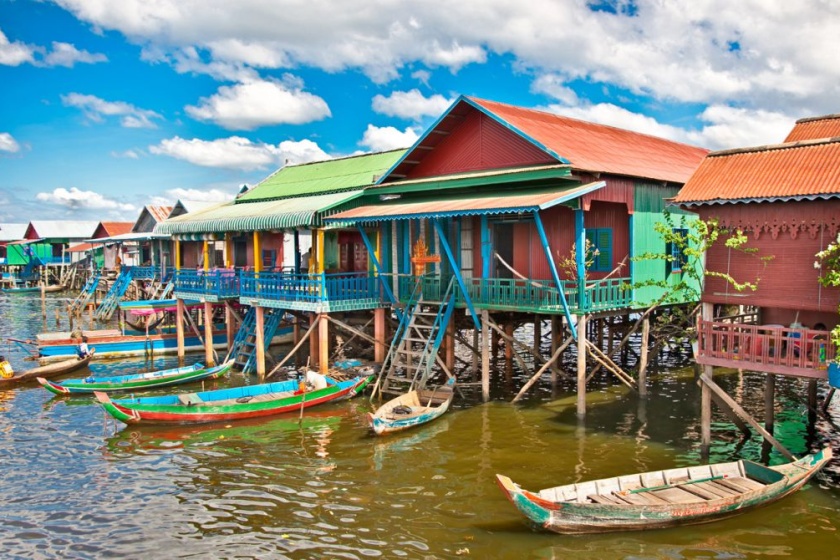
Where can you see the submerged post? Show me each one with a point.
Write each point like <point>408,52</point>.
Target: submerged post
<point>581,366</point>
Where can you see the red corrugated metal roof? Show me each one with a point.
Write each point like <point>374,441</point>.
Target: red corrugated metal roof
<point>815,128</point>
<point>159,213</point>
<point>80,248</point>
<point>600,148</point>
<point>462,206</point>
<point>803,169</point>
<point>116,228</point>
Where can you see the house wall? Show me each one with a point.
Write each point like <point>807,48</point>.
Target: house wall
<point>789,232</point>
<point>479,143</point>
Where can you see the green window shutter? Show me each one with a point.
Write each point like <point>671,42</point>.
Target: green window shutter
<point>605,242</point>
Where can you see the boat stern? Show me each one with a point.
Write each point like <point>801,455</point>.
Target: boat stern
<point>52,387</point>
<point>530,506</point>
<point>121,414</point>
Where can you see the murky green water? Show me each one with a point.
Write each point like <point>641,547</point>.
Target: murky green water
<point>77,485</point>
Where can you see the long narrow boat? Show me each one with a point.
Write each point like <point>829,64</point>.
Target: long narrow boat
<point>148,380</point>
<point>666,498</point>
<point>412,409</point>
<point>33,289</point>
<point>250,401</point>
<point>52,370</point>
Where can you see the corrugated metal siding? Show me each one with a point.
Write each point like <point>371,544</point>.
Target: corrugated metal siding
<point>618,189</point>
<point>813,129</point>
<point>522,248</point>
<point>780,172</point>
<point>478,143</point>
<point>789,280</point>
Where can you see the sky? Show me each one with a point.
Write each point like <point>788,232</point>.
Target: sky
<point>110,105</point>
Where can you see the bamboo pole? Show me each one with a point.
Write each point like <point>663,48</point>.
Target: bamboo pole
<point>545,366</point>
<point>295,349</point>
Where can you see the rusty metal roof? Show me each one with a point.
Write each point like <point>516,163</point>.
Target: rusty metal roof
<point>464,206</point>
<point>814,128</point>
<point>159,213</point>
<point>115,228</point>
<point>587,146</point>
<point>800,170</point>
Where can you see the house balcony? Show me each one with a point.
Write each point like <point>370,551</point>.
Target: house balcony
<point>317,293</point>
<point>207,286</point>
<point>767,348</point>
<point>531,296</point>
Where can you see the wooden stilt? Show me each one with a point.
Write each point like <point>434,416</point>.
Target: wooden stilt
<point>295,349</point>
<point>476,357</point>
<point>208,334</point>
<point>296,337</point>
<point>323,345</point>
<point>644,357</point>
<point>537,333</point>
<point>380,348</point>
<point>556,329</point>
<point>449,353</point>
<point>260,341</point>
<point>230,324</point>
<point>179,327</point>
<point>313,340</point>
<point>706,312</point>
<point>769,402</point>
<point>581,366</point>
<point>485,355</point>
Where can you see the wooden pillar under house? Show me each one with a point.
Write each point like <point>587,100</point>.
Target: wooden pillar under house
<point>208,334</point>
<point>537,333</point>
<point>296,337</point>
<point>706,313</point>
<point>508,345</point>
<point>449,341</point>
<point>643,357</point>
<point>556,330</point>
<point>259,341</point>
<point>179,327</point>
<point>230,332</point>
<point>323,344</point>
<point>380,348</point>
<point>769,401</point>
<point>313,340</point>
<point>581,366</point>
<point>485,356</point>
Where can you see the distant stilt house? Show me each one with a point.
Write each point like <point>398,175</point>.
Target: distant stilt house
<point>269,251</point>
<point>786,199</point>
<point>10,234</point>
<point>500,215</point>
<point>46,244</point>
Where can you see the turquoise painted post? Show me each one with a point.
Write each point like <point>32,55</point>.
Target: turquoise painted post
<point>631,250</point>
<point>382,279</point>
<point>553,266</point>
<point>580,258</point>
<point>486,257</point>
<point>457,272</point>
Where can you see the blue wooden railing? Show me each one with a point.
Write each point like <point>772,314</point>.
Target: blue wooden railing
<point>211,284</point>
<point>309,288</point>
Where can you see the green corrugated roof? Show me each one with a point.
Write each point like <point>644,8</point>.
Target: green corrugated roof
<point>333,175</point>
<point>288,213</point>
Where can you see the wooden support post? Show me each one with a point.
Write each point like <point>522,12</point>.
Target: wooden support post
<point>230,332</point>
<point>313,340</point>
<point>259,341</point>
<point>208,334</point>
<point>323,345</point>
<point>449,354</point>
<point>296,336</point>
<point>556,329</point>
<point>537,333</point>
<point>643,357</point>
<point>380,349</point>
<point>508,344</point>
<point>476,356</point>
<point>769,402</point>
<point>179,327</point>
<point>581,366</point>
<point>707,313</point>
<point>485,355</point>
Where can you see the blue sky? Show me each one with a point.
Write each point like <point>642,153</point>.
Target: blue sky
<point>109,105</point>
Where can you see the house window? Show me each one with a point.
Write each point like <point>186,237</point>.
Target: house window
<point>676,250</point>
<point>269,257</point>
<point>599,256</point>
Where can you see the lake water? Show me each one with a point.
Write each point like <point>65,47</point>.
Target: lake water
<point>77,484</point>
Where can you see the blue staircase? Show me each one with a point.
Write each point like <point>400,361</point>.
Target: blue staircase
<point>416,343</point>
<point>31,272</point>
<point>244,348</point>
<point>112,299</point>
<point>87,292</point>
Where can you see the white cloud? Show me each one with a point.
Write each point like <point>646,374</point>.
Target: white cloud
<point>380,139</point>
<point>15,54</point>
<point>201,195</point>
<point>8,143</point>
<point>96,109</point>
<point>259,103</point>
<point>239,153</point>
<point>554,85</point>
<point>65,54</point>
<point>128,154</point>
<point>410,104</point>
<point>82,200</point>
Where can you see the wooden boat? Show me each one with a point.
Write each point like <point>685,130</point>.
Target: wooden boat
<point>666,498</point>
<point>52,370</point>
<point>250,401</point>
<point>412,409</point>
<point>148,380</point>
<point>33,289</point>
<point>113,343</point>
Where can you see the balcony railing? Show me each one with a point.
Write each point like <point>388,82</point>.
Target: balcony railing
<point>212,285</point>
<point>768,348</point>
<point>311,291</point>
<point>527,295</point>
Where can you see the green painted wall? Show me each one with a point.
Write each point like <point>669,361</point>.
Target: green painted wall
<point>15,255</point>
<point>649,210</point>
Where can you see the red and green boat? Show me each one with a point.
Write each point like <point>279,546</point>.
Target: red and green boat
<point>249,401</point>
<point>148,380</point>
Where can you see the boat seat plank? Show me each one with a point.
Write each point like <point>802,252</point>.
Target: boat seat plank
<point>637,499</point>
<point>747,483</point>
<point>712,489</point>
<point>723,487</point>
<point>601,499</point>
<point>697,490</point>
<point>677,496</point>
<point>734,484</point>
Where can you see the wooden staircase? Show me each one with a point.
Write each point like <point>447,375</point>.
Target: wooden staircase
<point>87,292</point>
<point>415,344</point>
<point>244,348</point>
<point>112,299</point>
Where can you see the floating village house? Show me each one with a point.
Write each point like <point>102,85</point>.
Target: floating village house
<point>10,234</point>
<point>786,199</point>
<point>239,252</point>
